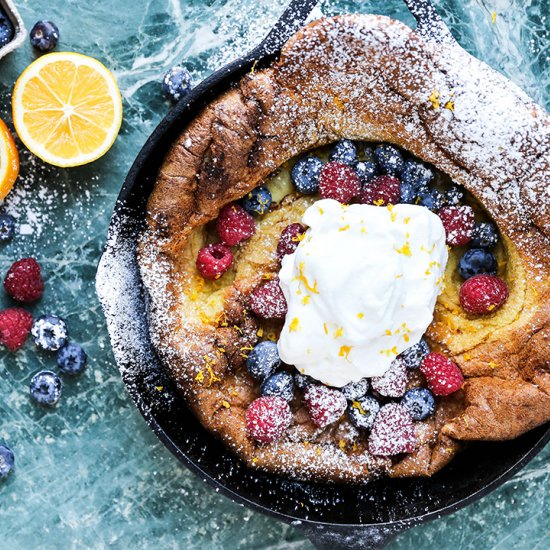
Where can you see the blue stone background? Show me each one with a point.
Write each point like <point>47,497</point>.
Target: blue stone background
<point>90,473</point>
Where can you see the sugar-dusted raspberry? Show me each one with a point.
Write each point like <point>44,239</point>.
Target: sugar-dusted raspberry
<point>214,260</point>
<point>393,382</point>
<point>381,191</point>
<point>443,376</point>
<point>458,222</point>
<point>267,418</point>
<point>234,224</point>
<point>338,181</point>
<point>290,238</point>
<point>15,325</point>
<point>24,281</point>
<point>393,432</point>
<point>268,301</point>
<point>483,294</point>
<point>325,405</point>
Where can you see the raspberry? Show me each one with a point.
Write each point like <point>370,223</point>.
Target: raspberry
<point>23,281</point>
<point>290,238</point>
<point>15,325</point>
<point>443,376</point>
<point>393,382</point>
<point>268,301</point>
<point>393,432</point>
<point>381,191</point>
<point>339,182</point>
<point>458,222</point>
<point>325,405</point>
<point>214,260</point>
<point>234,224</point>
<point>267,418</point>
<point>482,294</point>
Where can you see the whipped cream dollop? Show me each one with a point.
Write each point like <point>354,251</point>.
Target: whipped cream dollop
<point>361,288</point>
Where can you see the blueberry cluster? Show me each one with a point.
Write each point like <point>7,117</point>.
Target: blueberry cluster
<point>479,259</point>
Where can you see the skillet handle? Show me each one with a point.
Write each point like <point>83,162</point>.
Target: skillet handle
<point>429,25</point>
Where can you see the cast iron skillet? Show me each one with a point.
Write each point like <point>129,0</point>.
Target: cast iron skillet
<point>331,516</point>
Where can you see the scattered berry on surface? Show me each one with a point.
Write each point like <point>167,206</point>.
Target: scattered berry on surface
<point>338,181</point>
<point>263,360</point>
<point>24,281</point>
<point>71,359</point>
<point>362,412</point>
<point>366,171</point>
<point>15,326</point>
<point>176,83</point>
<point>45,388</point>
<point>50,332</point>
<point>393,432</point>
<point>389,159</point>
<point>7,458</point>
<point>484,235</point>
<point>281,384</point>
<point>268,301</point>
<point>7,32</point>
<point>476,261</point>
<point>458,222</point>
<point>44,36</point>
<point>393,382</point>
<point>443,376</point>
<point>483,294</point>
<point>214,260</point>
<point>412,357</point>
<point>305,175</point>
<point>267,418</point>
<point>381,191</point>
<point>354,391</point>
<point>7,227</point>
<point>234,224</point>
<point>302,381</point>
<point>454,195</point>
<point>432,199</point>
<point>343,151</point>
<point>290,239</point>
<point>416,174</point>
<point>419,403</point>
<point>258,200</point>
<point>408,194</point>
<point>325,405</point>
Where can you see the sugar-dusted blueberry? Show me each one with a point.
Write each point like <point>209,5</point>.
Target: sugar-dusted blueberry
<point>45,388</point>
<point>7,32</point>
<point>302,381</point>
<point>305,175</point>
<point>257,201</point>
<point>368,155</point>
<point>50,332</point>
<point>389,159</point>
<point>363,412</point>
<point>44,36</point>
<point>484,235</point>
<point>355,390</point>
<point>281,384</point>
<point>408,194</point>
<point>432,199</point>
<point>263,360</point>
<point>454,195</point>
<point>176,83</point>
<point>71,359</point>
<point>343,151</point>
<point>7,227</point>
<point>412,357</point>
<point>416,174</point>
<point>366,171</point>
<point>476,261</point>
<point>7,460</point>
<point>419,403</point>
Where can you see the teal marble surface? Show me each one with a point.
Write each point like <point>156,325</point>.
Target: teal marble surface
<point>90,474</point>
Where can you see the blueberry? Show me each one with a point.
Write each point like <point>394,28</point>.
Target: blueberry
<point>45,388</point>
<point>419,402</point>
<point>50,332</point>
<point>7,32</point>
<point>368,153</point>
<point>281,384</point>
<point>408,194</point>
<point>343,151</point>
<point>476,261</point>
<point>356,390</point>
<point>484,235</point>
<point>389,159</point>
<point>7,458</point>
<point>366,171</point>
<point>302,381</point>
<point>257,201</point>
<point>176,83</point>
<point>71,359</point>
<point>44,36</point>
<point>412,357</point>
<point>454,195</point>
<point>7,227</point>
<point>416,174</point>
<point>431,199</point>
<point>263,360</point>
<point>362,413</point>
<point>305,175</point>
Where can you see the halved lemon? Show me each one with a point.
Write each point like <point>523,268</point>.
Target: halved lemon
<point>9,161</point>
<point>67,109</point>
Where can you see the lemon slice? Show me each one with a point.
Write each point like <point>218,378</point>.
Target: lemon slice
<point>67,109</point>
<point>9,161</point>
